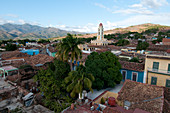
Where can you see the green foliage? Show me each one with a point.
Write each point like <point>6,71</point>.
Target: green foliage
<point>24,41</point>
<point>78,81</point>
<point>142,46</point>
<point>122,42</point>
<point>68,49</point>
<point>52,85</point>
<point>109,36</point>
<point>43,41</point>
<point>134,59</point>
<point>105,68</point>
<point>102,101</point>
<point>10,47</point>
<point>87,40</point>
<point>151,30</point>
<point>16,110</point>
<point>154,41</point>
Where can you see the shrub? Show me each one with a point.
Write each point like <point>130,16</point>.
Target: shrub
<point>102,101</point>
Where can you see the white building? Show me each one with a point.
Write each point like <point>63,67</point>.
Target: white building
<point>100,37</point>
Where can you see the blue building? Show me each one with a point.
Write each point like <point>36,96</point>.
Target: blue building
<point>31,51</point>
<point>132,71</point>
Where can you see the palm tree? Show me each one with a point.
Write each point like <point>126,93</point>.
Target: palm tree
<point>78,81</point>
<point>68,49</point>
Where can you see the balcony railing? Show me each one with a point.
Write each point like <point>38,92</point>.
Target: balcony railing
<point>159,71</point>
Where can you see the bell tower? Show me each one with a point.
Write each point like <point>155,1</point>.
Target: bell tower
<point>100,37</point>
<point>100,34</point>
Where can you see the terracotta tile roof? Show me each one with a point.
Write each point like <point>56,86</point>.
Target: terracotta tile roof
<point>115,47</point>
<point>166,40</point>
<point>39,59</point>
<point>14,63</point>
<point>13,54</point>
<point>132,65</point>
<point>168,51</point>
<point>143,96</point>
<point>116,109</point>
<point>141,56</point>
<point>17,63</point>
<point>86,109</point>
<point>81,109</point>
<point>137,110</point>
<point>166,107</point>
<point>102,50</point>
<point>158,47</point>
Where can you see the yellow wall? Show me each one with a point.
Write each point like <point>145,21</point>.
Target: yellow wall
<point>161,79</point>
<point>162,74</point>
<point>163,63</point>
<point>106,95</point>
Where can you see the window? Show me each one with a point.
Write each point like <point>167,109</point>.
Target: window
<point>168,68</point>
<point>124,74</point>
<point>134,76</point>
<point>154,80</point>
<point>155,66</point>
<point>167,82</point>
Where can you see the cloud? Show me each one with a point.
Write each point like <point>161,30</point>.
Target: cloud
<point>140,19</point>
<point>33,23</point>
<point>88,28</point>
<point>102,6</point>
<point>3,21</point>
<point>154,3</point>
<point>144,7</point>
<point>136,6</point>
<point>134,11</point>
<point>133,20</point>
<point>10,21</point>
<point>21,21</point>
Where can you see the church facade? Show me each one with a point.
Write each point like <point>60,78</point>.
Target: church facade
<point>100,37</point>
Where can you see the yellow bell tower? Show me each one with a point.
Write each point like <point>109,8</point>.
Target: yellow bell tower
<point>100,35</point>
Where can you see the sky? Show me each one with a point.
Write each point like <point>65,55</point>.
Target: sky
<point>85,15</point>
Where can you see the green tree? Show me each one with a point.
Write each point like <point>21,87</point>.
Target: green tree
<point>134,59</point>
<point>68,49</point>
<point>142,45</point>
<point>122,42</point>
<point>105,67</point>
<point>78,81</point>
<point>51,85</point>
<point>43,40</point>
<point>11,47</point>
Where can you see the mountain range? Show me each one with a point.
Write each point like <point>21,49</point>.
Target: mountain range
<point>15,31</point>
